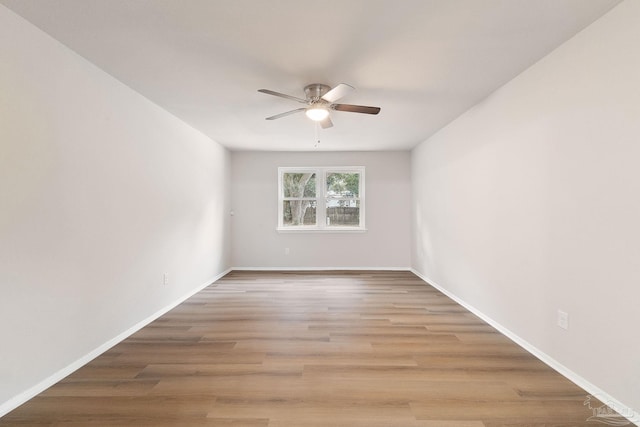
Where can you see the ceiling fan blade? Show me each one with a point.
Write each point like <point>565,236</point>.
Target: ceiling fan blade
<point>277,116</point>
<point>326,123</point>
<point>337,92</point>
<point>282,95</point>
<point>356,108</point>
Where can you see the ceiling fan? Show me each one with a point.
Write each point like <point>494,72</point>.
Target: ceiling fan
<point>319,100</point>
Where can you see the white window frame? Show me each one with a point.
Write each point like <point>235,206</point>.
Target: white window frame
<point>321,197</point>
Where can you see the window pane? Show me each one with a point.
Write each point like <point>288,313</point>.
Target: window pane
<point>343,212</point>
<point>299,212</point>
<point>343,184</point>
<point>299,184</point>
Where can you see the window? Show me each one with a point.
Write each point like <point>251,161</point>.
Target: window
<point>321,199</point>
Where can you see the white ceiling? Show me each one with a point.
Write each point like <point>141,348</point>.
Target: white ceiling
<point>424,62</point>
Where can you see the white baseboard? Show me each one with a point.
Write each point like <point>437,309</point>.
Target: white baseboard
<point>320,268</point>
<point>593,390</point>
<point>23,397</point>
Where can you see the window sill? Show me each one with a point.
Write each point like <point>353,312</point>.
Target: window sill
<point>321,230</point>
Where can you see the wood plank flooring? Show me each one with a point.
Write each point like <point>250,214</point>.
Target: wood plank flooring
<point>313,349</point>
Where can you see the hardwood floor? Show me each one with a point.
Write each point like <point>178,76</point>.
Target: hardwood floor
<point>313,349</point>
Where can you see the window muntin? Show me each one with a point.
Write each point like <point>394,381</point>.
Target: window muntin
<point>322,198</point>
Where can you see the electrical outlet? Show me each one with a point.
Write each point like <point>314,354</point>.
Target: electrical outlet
<point>286,251</point>
<point>563,319</point>
<point>165,279</point>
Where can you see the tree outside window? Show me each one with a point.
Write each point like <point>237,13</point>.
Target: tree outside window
<point>299,195</point>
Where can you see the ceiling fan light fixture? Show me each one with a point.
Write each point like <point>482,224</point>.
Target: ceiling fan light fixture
<point>317,114</point>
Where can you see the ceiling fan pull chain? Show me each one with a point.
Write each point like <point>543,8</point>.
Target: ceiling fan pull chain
<point>317,139</point>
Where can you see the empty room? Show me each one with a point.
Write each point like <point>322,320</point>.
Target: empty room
<point>286,213</point>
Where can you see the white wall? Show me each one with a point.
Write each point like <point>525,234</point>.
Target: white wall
<point>101,193</point>
<point>530,203</point>
<point>257,244</point>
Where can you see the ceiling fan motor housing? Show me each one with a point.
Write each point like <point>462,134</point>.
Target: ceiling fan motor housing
<point>315,91</point>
